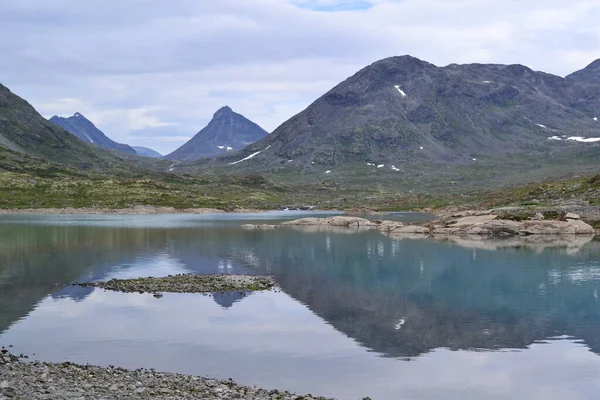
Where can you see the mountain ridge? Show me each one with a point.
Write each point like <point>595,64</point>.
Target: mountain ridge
<point>403,111</point>
<point>84,129</point>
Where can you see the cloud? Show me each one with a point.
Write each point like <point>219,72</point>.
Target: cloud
<point>139,65</point>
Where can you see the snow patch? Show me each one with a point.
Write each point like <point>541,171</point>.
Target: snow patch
<point>394,168</point>
<point>381,166</point>
<point>576,139</point>
<point>595,118</point>
<point>401,322</point>
<point>474,159</point>
<point>400,90</point>
<point>246,158</point>
<point>221,147</point>
<point>542,126</point>
<point>290,161</point>
<point>421,148</point>
<point>229,148</point>
<point>487,82</point>
<point>268,147</point>
<point>584,140</point>
<point>328,172</point>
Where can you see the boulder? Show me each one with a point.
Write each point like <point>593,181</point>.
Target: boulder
<point>414,229</point>
<point>572,216</point>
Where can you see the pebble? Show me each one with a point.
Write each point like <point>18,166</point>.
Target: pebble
<point>70,381</point>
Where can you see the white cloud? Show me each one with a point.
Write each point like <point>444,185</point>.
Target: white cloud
<point>137,65</point>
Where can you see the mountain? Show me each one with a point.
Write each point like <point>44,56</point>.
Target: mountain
<point>227,131</point>
<point>403,113</point>
<point>585,94</point>
<point>24,131</point>
<point>85,130</point>
<point>146,152</point>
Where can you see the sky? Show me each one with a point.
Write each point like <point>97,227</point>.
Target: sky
<point>153,72</point>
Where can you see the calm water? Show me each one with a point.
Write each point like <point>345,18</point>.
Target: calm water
<point>359,314</point>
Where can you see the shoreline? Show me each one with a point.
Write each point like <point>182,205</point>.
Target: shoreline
<point>138,210</point>
<point>45,380</point>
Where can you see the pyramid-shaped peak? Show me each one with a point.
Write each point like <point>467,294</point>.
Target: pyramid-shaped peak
<point>225,110</point>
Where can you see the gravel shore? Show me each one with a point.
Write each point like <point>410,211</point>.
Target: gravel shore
<point>37,380</point>
<point>186,283</point>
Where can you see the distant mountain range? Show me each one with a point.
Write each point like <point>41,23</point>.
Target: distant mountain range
<point>146,152</point>
<point>402,112</point>
<point>24,131</point>
<point>226,132</point>
<point>85,130</point>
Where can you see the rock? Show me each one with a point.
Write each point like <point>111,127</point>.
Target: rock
<point>4,385</point>
<point>538,217</point>
<point>472,220</point>
<point>414,229</point>
<point>386,226</point>
<point>259,226</point>
<point>572,216</point>
<point>332,221</point>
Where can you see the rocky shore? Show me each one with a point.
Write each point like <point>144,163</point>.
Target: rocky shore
<point>468,223</point>
<point>185,283</point>
<point>68,381</point>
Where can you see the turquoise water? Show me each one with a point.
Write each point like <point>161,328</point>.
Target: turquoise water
<point>358,314</point>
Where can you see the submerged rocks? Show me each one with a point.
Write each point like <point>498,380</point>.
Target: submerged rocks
<point>186,283</point>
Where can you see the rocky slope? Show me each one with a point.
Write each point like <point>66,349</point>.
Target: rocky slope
<point>402,113</point>
<point>85,130</point>
<point>227,132</point>
<point>146,152</point>
<point>24,131</point>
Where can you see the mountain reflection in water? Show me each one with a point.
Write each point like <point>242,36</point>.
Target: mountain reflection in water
<point>397,297</point>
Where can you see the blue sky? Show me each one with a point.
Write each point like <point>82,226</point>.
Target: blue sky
<point>152,73</point>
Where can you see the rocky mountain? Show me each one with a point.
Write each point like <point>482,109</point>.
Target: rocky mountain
<point>85,130</point>
<point>24,131</point>
<point>146,152</point>
<point>402,112</point>
<point>227,132</point>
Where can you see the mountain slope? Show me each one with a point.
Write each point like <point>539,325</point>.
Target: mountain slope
<point>24,130</point>
<point>85,130</point>
<point>146,152</point>
<point>227,131</point>
<point>585,91</point>
<point>405,112</point>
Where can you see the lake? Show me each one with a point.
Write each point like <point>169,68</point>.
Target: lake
<point>358,313</point>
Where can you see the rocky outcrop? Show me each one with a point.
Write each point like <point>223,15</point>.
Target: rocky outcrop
<point>463,224</point>
<point>332,221</point>
<point>487,224</point>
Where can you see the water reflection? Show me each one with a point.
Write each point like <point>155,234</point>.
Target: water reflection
<point>438,304</point>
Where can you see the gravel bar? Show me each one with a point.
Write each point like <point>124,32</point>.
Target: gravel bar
<point>186,283</point>
<point>38,380</point>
